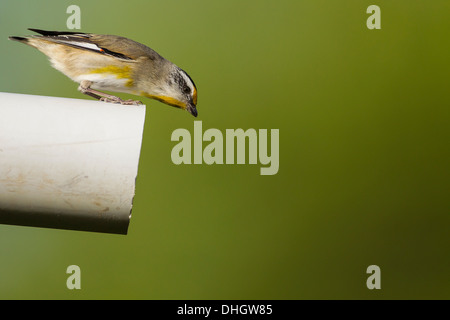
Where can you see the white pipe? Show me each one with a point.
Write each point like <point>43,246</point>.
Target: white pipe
<point>68,163</point>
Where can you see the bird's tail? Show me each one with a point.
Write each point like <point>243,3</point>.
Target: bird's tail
<point>20,39</point>
<point>32,41</point>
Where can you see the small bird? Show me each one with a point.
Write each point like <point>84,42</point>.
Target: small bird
<point>114,63</point>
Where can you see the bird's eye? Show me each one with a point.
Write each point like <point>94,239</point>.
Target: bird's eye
<point>187,90</point>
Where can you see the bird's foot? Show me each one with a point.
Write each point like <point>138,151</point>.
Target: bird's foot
<point>132,102</point>
<point>117,100</point>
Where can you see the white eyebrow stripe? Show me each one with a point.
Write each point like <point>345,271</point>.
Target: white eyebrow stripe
<point>187,80</point>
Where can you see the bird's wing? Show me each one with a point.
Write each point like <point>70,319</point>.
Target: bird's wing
<point>115,46</point>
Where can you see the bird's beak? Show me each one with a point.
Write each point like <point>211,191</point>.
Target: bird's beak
<point>192,109</point>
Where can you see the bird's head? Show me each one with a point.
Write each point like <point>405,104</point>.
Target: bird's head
<point>178,90</point>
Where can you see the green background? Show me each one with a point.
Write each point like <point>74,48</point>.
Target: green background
<point>364,154</point>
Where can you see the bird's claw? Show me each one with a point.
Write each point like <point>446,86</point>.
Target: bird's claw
<point>117,100</point>
<point>131,102</point>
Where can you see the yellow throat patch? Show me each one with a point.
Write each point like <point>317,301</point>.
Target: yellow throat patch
<point>167,100</point>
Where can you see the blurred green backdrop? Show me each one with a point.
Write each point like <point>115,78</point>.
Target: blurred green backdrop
<point>364,154</point>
